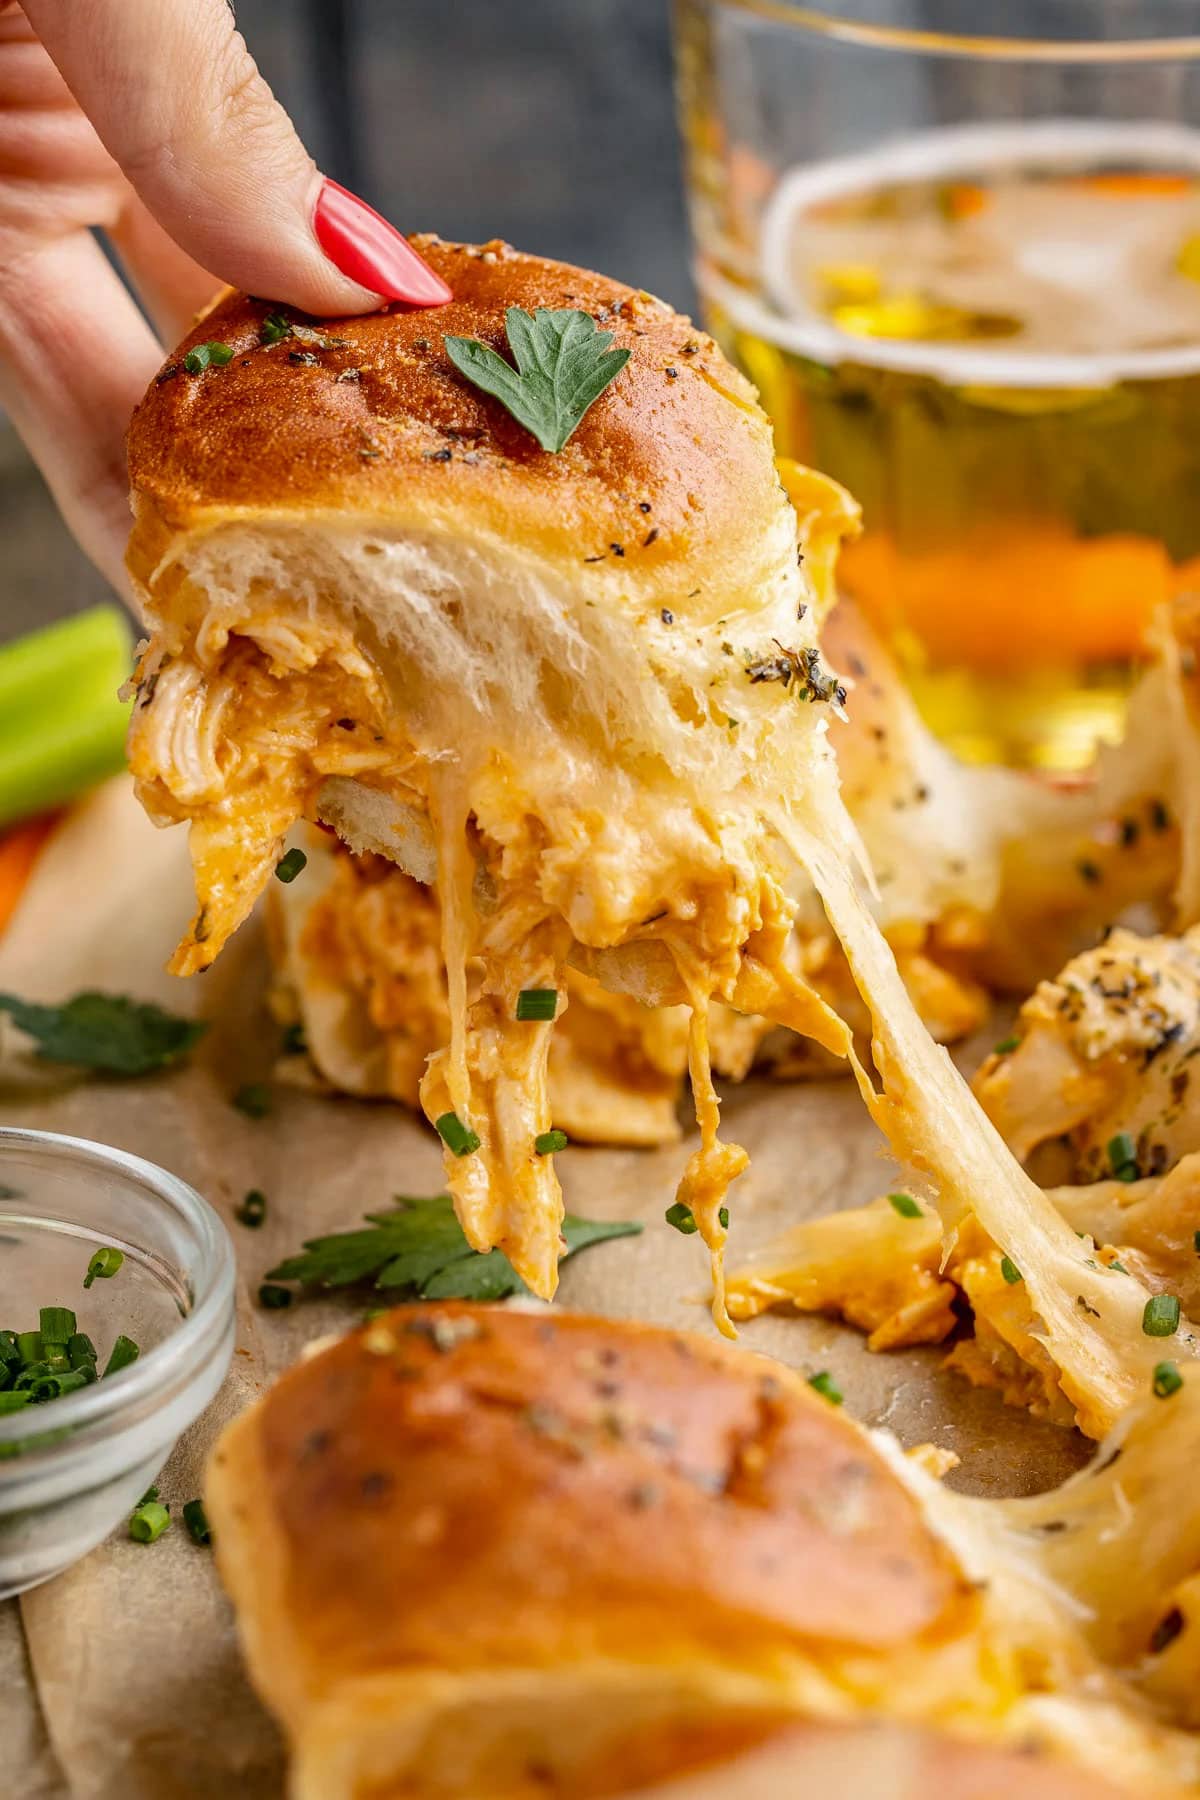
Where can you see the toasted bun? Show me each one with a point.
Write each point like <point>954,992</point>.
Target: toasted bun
<point>873,1761</point>
<point>676,451</point>
<point>585,620</point>
<point>469,1539</point>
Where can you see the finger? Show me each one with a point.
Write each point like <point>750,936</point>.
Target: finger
<point>170,284</point>
<point>75,357</point>
<point>175,96</point>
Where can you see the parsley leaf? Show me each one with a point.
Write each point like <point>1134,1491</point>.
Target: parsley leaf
<point>420,1247</point>
<point>110,1032</point>
<point>563,364</point>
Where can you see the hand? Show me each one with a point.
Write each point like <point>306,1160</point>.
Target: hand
<point>148,120</point>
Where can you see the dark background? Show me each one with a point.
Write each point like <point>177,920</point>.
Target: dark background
<point>548,122</point>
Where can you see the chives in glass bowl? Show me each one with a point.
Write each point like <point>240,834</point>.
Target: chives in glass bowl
<point>76,1458</point>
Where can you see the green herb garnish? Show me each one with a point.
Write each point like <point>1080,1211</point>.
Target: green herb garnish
<point>109,1032</point>
<point>123,1352</point>
<point>104,1264</point>
<point>824,1384</point>
<point>252,1210</point>
<point>1121,1151</point>
<point>57,1325</point>
<point>457,1137</point>
<point>537,1003</point>
<point>290,865</point>
<point>419,1248</point>
<point>906,1206</point>
<point>1005,1045</point>
<point>149,1522</point>
<point>683,1218</point>
<point>547,1142</point>
<point>274,328</point>
<point>273,1297</point>
<point>1167,1380</point>
<point>1160,1317</point>
<point>215,352</point>
<point>564,363</point>
<point>1010,1271</point>
<point>196,1520</point>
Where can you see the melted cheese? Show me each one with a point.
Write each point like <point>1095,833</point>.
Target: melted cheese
<point>679,881</point>
<point>656,867</point>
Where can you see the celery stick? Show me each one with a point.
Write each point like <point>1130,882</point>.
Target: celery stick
<point>62,728</point>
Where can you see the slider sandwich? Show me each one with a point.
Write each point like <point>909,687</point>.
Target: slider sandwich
<point>573,685</point>
<point>511,594</point>
<point>482,1551</point>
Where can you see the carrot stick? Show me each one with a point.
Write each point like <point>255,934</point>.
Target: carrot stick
<point>19,850</point>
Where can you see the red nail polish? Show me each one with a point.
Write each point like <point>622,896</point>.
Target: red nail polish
<point>362,244</point>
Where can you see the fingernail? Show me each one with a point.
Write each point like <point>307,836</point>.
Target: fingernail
<point>362,244</point>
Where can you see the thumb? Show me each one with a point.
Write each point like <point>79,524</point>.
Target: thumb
<point>178,102</point>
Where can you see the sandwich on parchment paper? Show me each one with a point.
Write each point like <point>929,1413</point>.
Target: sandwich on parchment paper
<point>567,669</point>
<point>555,653</point>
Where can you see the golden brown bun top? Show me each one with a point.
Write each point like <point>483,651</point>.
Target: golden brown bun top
<point>456,1487</point>
<point>672,465</point>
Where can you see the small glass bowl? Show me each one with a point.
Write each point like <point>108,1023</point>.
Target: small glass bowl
<point>71,1469</point>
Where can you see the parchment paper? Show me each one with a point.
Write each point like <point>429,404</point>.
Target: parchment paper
<point>121,1679</point>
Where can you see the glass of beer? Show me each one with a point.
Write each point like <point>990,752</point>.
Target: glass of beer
<point>963,270</point>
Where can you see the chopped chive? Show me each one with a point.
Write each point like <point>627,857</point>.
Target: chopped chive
<point>149,1522</point>
<point>274,1297</point>
<point>905,1205</point>
<point>30,1347</point>
<point>823,1383</point>
<point>1010,1271</point>
<point>196,1520</point>
<point>294,1041</point>
<point>123,1352</point>
<point>9,1352</point>
<point>150,1494</point>
<point>57,1324</point>
<point>537,1003</point>
<point>1167,1380</point>
<point>13,1399</point>
<point>104,1265</point>
<point>57,1360</point>
<point>1196,1242</point>
<point>1118,1266</point>
<point>214,352</point>
<point>1122,1156</point>
<point>53,1384</point>
<point>289,866</point>
<point>252,1210</point>
<point>456,1136</point>
<point>1160,1317</point>
<point>1005,1045</point>
<point>274,328</point>
<point>683,1219</point>
<point>547,1142</point>
<point>80,1349</point>
<point>254,1099</point>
